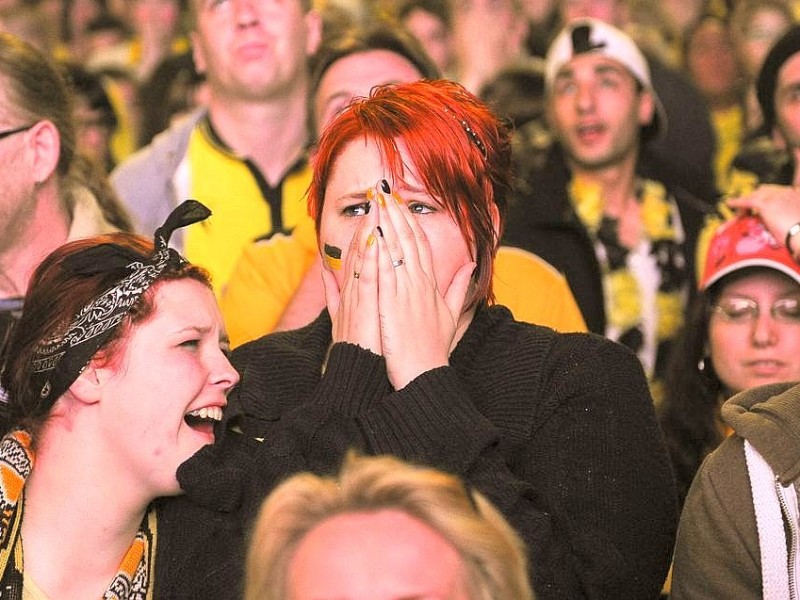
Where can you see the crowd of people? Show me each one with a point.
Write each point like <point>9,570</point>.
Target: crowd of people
<point>399,298</point>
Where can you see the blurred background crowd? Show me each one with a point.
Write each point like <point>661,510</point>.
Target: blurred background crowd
<point>131,62</point>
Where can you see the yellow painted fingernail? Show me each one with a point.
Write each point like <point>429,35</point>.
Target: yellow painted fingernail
<point>370,240</point>
<point>397,197</point>
<point>370,194</point>
<point>381,199</point>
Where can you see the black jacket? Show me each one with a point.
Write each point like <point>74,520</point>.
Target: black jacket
<point>544,222</point>
<point>558,430</point>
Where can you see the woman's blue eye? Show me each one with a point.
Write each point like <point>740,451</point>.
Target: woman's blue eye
<point>193,343</point>
<point>419,208</point>
<point>356,210</point>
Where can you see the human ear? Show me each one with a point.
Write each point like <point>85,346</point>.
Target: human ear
<point>45,148</point>
<point>313,21</point>
<point>495,221</point>
<point>647,108</point>
<point>88,387</point>
<point>778,139</point>
<point>197,53</point>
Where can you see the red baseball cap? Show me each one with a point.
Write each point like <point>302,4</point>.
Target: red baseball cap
<point>745,242</point>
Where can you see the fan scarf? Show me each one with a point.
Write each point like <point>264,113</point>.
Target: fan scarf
<point>623,303</point>
<point>134,577</point>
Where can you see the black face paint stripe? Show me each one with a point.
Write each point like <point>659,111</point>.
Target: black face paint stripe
<point>333,251</point>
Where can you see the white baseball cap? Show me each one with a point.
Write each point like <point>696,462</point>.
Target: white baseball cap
<point>591,36</point>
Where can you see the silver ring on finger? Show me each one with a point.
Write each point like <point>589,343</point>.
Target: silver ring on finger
<point>356,275</point>
<point>398,262</point>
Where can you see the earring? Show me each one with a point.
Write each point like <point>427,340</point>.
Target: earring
<point>704,365</point>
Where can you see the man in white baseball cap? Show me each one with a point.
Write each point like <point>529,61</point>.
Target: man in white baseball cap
<point>619,238</point>
<point>683,155</point>
<point>597,40</point>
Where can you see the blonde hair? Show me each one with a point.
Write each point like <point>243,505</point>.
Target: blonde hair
<point>493,555</point>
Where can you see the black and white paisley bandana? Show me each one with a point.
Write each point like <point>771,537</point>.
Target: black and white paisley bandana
<point>60,360</point>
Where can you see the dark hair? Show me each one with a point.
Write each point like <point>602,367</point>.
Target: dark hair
<point>786,47</point>
<point>89,86</point>
<point>105,22</point>
<point>438,8</point>
<point>461,151</point>
<point>37,90</point>
<point>166,93</point>
<point>55,295</point>
<point>382,35</point>
<point>517,92</point>
<point>689,413</point>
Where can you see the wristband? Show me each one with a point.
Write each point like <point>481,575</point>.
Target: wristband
<point>793,231</point>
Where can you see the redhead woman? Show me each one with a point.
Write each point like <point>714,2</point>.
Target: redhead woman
<point>411,357</point>
<point>116,375</point>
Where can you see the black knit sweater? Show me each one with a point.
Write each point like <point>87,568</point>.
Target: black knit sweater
<point>558,430</point>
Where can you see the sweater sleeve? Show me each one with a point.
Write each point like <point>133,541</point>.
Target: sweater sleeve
<point>558,431</point>
<point>717,554</point>
<point>589,488</point>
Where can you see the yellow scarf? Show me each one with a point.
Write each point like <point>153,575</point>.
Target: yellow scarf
<point>623,294</point>
<point>134,577</point>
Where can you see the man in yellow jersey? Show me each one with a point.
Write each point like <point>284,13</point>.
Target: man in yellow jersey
<point>244,156</point>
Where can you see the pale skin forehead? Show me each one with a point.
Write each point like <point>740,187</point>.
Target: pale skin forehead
<point>195,7</point>
<point>383,555</point>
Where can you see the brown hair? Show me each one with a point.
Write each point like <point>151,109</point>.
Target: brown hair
<point>36,90</point>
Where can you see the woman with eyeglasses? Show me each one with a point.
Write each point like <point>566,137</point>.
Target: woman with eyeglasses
<point>743,330</point>
<point>738,535</point>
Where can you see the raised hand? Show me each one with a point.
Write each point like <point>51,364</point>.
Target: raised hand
<point>419,322</point>
<point>354,306</point>
<point>777,205</point>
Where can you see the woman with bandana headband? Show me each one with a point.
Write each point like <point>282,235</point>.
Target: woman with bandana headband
<point>411,358</point>
<point>116,375</point>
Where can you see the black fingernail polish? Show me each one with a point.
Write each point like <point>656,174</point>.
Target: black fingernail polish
<point>385,186</point>
<point>380,231</point>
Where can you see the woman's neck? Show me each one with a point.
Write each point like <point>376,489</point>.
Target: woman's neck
<point>464,321</point>
<point>77,522</point>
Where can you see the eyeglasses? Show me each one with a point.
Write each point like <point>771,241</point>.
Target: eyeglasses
<point>744,310</point>
<point>8,132</point>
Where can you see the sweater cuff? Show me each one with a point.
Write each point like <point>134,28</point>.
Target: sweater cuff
<point>354,379</point>
<point>432,419</point>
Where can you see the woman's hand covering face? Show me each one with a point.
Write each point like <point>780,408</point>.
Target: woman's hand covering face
<point>389,297</point>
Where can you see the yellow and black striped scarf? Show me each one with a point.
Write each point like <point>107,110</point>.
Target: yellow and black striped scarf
<point>133,580</point>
